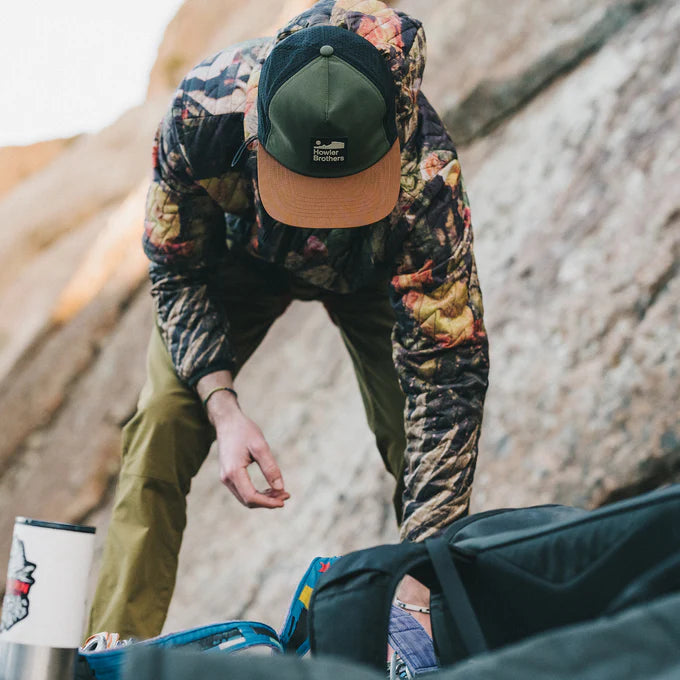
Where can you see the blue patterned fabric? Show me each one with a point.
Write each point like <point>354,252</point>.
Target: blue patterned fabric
<point>231,636</point>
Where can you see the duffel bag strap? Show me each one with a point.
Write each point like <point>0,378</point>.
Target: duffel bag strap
<point>460,612</point>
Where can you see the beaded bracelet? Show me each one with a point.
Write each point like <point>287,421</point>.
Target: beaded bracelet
<point>411,607</point>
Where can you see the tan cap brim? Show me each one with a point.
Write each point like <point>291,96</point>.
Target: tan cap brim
<point>329,203</point>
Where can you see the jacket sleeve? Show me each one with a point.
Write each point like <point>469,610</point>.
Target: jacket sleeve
<point>440,349</point>
<point>184,239</point>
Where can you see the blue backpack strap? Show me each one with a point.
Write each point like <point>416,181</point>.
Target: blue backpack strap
<point>410,640</point>
<point>294,634</point>
<point>227,637</point>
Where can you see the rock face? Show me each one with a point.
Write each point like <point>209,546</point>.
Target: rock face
<point>578,233</point>
<point>492,101</point>
<point>19,162</point>
<point>577,217</point>
<point>203,27</point>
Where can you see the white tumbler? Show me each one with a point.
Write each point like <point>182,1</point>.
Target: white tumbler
<point>43,612</point>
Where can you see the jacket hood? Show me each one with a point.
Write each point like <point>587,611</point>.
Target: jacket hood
<point>399,37</point>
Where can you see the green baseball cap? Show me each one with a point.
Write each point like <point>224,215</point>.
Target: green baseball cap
<point>328,153</point>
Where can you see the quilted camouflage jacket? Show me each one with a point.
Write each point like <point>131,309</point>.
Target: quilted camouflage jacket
<point>199,203</point>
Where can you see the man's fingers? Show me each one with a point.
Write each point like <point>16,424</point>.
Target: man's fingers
<point>283,495</point>
<point>263,456</point>
<point>233,490</point>
<point>249,495</point>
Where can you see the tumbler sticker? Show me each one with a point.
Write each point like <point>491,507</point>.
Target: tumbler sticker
<point>19,582</point>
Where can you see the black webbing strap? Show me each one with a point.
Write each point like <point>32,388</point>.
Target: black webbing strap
<point>463,615</point>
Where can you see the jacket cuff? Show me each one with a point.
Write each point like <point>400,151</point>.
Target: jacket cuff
<point>213,368</point>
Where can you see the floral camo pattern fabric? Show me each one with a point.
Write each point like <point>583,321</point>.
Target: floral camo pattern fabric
<point>199,206</point>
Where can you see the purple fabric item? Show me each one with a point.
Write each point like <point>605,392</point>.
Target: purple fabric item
<point>409,639</point>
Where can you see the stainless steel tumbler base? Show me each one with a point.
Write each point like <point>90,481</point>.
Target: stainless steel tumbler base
<point>30,662</point>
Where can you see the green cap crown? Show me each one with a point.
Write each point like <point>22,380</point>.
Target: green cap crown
<point>326,103</point>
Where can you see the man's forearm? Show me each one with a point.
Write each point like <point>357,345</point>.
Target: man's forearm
<point>221,402</point>
<point>192,323</point>
<point>443,423</point>
<point>240,442</point>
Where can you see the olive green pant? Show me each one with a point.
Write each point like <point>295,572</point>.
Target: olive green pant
<point>168,438</point>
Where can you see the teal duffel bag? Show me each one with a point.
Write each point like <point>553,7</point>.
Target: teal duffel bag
<point>503,576</point>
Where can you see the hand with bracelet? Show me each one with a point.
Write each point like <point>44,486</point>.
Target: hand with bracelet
<point>240,442</point>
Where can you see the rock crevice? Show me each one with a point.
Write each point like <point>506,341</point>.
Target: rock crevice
<point>493,101</point>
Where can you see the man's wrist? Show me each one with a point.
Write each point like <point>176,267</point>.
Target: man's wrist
<point>217,394</point>
<point>221,388</point>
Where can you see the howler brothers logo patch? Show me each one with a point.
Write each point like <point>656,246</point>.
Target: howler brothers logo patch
<point>19,582</point>
<point>330,151</point>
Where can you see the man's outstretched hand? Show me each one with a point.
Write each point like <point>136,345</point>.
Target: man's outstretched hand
<point>240,442</point>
